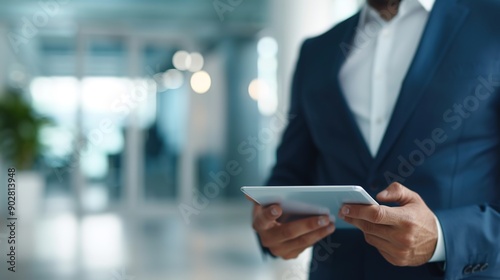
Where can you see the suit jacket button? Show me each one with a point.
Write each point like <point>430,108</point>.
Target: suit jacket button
<point>373,187</point>
<point>476,268</point>
<point>484,267</point>
<point>468,270</point>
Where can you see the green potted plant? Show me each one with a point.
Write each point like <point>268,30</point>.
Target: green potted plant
<point>20,127</point>
<point>20,145</point>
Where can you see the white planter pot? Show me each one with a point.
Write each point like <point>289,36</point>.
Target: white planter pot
<point>30,188</point>
<point>29,198</point>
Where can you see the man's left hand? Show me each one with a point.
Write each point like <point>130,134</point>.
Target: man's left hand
<point>405,235</point>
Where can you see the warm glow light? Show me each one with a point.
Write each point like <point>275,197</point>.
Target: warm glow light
<point>201,82</point>
<point>197,62</point>
<point>182,60</point>
<point>258,89</point>
<point>173,79</point>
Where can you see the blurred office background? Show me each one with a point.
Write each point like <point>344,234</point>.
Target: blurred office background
<point>161,110</point>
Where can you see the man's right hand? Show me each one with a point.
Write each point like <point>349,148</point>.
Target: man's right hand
<point>288,240</point>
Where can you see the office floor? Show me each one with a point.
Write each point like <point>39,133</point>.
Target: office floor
<point>217,244</point>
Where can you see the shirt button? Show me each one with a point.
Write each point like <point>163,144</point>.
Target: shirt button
<point>468,270</point>
<point>385,33</point>
<point>379,120</point>
<point>484,267</point>
<point>476,268</point>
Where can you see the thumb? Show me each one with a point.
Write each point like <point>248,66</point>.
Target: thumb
<point>397,193</point>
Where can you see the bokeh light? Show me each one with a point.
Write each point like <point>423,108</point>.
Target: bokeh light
<point>182,60</point>
<point>173,79</point>
<point>257,89</point>
<point>201,82</point>
<point>197,62</point>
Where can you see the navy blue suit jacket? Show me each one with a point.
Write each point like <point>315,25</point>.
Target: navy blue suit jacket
<point>443,141</point>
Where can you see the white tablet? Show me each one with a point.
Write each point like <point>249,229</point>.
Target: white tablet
<point>303,201</point>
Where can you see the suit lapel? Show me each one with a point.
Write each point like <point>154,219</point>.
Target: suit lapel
<point>444,22</point>
<point>339,58</point>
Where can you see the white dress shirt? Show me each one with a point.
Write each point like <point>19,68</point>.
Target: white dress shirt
<point>373,73</point>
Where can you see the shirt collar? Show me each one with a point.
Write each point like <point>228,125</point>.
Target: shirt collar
<point>427,4</point>
<point>369,14</point>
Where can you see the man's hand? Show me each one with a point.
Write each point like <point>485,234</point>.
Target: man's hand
<point>405,235</point>
<point>288,240</point>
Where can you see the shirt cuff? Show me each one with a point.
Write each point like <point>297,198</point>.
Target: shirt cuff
<point>440,251</point>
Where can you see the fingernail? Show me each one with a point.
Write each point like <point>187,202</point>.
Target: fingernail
<point>330,228</point>
<point>322,221</point>
<point>345,210</point>
<point>274,211</point>
<point>383,193</point>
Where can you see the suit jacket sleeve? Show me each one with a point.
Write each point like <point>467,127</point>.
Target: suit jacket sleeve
<point>472,241</point>
<point>296,155</point>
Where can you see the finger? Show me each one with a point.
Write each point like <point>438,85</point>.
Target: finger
<point>266,218</point>
<point>381,231</point>
<point>293,255</point>
<point>257,209</point>
<point>309,239</point>
<point>398,193</point>
<point>250,199</point>
<point>377,214</point>
<point>293,248</point>
<point>295,229</point>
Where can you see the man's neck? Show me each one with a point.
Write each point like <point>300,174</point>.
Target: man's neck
<point>387,9</point>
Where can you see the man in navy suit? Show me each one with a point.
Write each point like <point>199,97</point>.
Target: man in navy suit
<point>402,98</point>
